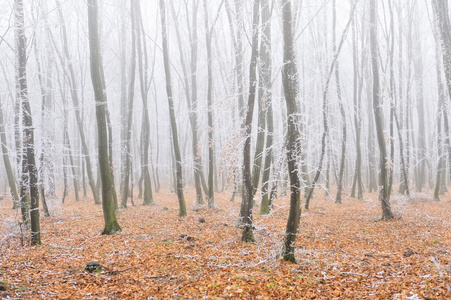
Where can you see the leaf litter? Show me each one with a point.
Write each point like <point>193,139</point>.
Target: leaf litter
<point>343,252</point>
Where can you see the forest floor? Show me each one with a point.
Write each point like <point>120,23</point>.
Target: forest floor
<point>343,252</point>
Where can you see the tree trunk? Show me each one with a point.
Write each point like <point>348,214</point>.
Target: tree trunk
<point>384,192</point>
<point>143,82</point>
<point>211,146</point>
<point>248,192</point>
<point>191,99</point>
<point>175,142</point>
<point>290,86</point>
<point>111,224</point>
<point>29,170</point>
<point>265,78</point>
<point>342,112</point>
<point>131,95</point>
<point>357,93</point>
<point>44,95</point>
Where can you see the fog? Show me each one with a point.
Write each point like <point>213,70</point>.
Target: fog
<point>411,75</point>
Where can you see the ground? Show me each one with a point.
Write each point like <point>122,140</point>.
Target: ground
<point>343,252</point>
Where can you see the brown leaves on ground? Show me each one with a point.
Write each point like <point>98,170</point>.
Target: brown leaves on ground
<point>343,252</point>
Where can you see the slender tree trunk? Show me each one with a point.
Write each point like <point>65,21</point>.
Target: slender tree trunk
<point>392,89</point>
<point>175,142</point>
<point>191,99</point>
<point>143,82</point>
<point>123,95</point>
<point>265,78</point>
<point>418,75</point>
<point>357,93</point>
<point>131,95</point>
<point>440,9</point>
<point>248,192</point>
<point>342,113</point>
<point>384,192</point>
<point>441,112</point>
<point>198,173</point>
<point>290,86</point>
<point>237,39</point>
<point>29,170</point>
<point>211,146</point>
<point>111,224</point>
<point>44,95</point>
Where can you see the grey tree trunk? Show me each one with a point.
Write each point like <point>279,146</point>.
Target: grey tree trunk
<point>265,78</point>
<point>111,224</point>
<point>248,201</point>
<point>290,86</point>
<point>342,113</point>
<point>45,97</point>
<point>235,25</point>
<point>123,95</point>
<point>357,95</point>
<point>191,99</point>
<point>211,146</point>
<point>143,83</point>
<point>421,139</point>
<point>175,142</point>
<point>30,172</point>
<point>441,112</point>
<point>384,192</point>
<point>131,96</point>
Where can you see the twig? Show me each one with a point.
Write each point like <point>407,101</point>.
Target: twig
<point>28,266</point>
<point>119,271</point>
<point>364,275</point>
<point>439,269</point>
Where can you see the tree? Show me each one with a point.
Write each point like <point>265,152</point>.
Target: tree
<point>175,142</point>
<point>342,113</point>
<point>248,192</point>
<point>265,79</point>
<point>384,191</point>
<point>44,140</point>
<point>143,83</point>
<point>357,93</point>
<point>131,95</point>
<point>211,146</point>
<point>191,99</point>
<point>290,89</point>
<point>111,224</point>
<point>29,170</point>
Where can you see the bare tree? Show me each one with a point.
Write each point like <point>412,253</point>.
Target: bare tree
<point>384,191</point>
<point>265,83</point>
<point>29,170</point>
<point>248,192</point>
<point>290,88</point>
<point>175,142</point>
<point>111,224</point>
<point>211,146</point>
<point>131,95</point>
